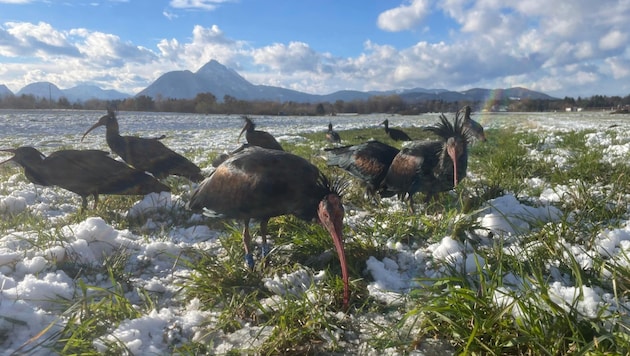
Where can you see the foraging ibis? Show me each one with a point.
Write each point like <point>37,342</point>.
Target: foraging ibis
<point>395,134</point>
<point>85,172</point>
<point>146,154</point>
<point>259,183</point>
<point>368,161</point>
<point>258,138</point>
<point>332,136</point>
<point>430,167</point>
<point>474,128</point>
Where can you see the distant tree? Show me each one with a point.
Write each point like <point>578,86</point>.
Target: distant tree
<point>319,110</point>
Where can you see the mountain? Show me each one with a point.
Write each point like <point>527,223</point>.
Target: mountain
<point>4,91</point>
<point>85,92</point>
<point>75,94</point>
<point>42,90</point>
<point>215,78</point>
<point>502,94</point>
<point>219,80</point>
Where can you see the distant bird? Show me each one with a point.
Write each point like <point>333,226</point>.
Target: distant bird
<point>332,135</point>
<point>367,161</point>
<point>395,134</point>
<point>430,167</point>
<point>88,172</point>
<point>146,154</point>
<point>474,128</point>
<point>258,138</point>
<point>259,183</point>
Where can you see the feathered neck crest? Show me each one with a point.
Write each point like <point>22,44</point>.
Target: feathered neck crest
<point>338,185</point>
<point>445,129</point>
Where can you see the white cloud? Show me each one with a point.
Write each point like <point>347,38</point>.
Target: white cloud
<point>404,17</point>
<point>208,5</point>
<point>297,56</point>
<point>169,15</point>
<point>619,67</point>
<point>574,47</point>
<point>613,39</point>
<point>38,40</point>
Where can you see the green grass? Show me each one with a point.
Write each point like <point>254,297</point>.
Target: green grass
<point>503,306</point>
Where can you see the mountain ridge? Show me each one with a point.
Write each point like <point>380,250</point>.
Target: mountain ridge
<point>221,81</point>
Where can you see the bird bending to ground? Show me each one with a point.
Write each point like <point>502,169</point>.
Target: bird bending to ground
<point>259,183</point>
<point>367,161</point>
<point>474,128</point>
<point>146,154</point>
<point>395,134</point>
<point>258,138</point>
<point>430,167</point>
<point>332,135</point>
<point>88,172</point>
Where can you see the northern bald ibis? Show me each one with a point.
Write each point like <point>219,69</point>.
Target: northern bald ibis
<point>395,134</point>
<point>258,138</point>
<point>259,183</point>
<point>430,167</point>
<point>474,128</point>
<point>146,154</point>
<point>332,136</point>
<point>368,161</point>
<point>85,172</point>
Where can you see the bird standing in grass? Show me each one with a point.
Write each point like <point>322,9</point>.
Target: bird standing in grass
<point>368,161</point>
<point>332,136</point>
<point>85,172</point>
<point>432,166</point>
<point>474,128</point>
<point>259,183</point>
<point>146,154</point>
<point>395,134</point>
<point>258,138</point>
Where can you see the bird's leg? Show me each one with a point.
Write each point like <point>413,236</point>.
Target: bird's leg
<point>265,249</point>
<point>83,203</point>
<point>247,241</point>
<point>95,201</point>
<point>412,210</point>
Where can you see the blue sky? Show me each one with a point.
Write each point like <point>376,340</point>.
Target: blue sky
<point>561,47</point>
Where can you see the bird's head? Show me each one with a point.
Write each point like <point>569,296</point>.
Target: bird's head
<point>108,121</point>
<point>385,122</point>
<point>330,213</point>
<point>23,155</point>
<point>455,138</point>
<point>249,126</point>
<point>478,133</point>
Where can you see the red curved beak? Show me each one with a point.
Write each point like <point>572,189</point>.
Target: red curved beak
<point>330,213</point>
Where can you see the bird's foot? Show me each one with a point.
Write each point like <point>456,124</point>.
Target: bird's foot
<point>249,260</point>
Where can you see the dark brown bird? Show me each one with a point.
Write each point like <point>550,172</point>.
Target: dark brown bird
<point>332,136</point>
<point>430,167</point>
<point>146,154</point>
<point>367,161</point>
<point>474,128</point>
<point>259,183</point>
<point>395,134</point>
<point>89,172</point>
<point>258,138</point>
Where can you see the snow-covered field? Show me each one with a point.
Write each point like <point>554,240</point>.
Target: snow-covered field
<point>31,281</point>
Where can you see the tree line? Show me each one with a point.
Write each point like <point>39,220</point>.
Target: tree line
<point>207,103</point>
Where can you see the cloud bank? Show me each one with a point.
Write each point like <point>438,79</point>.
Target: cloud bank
<point>573,48</point>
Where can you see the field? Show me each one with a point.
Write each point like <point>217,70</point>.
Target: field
<point>529,255</point>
